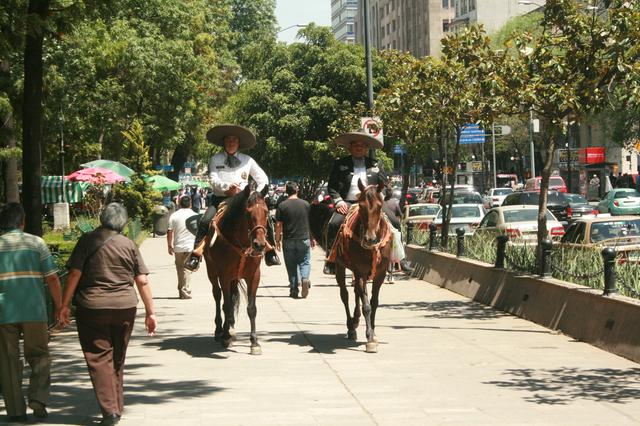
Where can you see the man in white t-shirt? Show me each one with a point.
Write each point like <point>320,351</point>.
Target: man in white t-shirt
<point>180,239</point>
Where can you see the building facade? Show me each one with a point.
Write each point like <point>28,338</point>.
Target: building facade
<point>416,26</point>
<point>343,14</point>
<point>492,14</point>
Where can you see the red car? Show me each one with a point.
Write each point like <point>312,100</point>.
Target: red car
<point>556,183</point>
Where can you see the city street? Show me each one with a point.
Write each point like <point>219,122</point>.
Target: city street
<point>442,360</point>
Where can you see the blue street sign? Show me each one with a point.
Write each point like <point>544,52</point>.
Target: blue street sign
<point>472,133</point>
<point>399,149</point>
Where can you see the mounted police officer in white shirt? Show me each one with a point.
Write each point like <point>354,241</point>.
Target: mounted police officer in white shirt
<point>229,173</point>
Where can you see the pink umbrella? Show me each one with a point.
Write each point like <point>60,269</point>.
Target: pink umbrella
<point>95,175</point>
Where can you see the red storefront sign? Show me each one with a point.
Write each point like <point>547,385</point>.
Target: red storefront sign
<point>593,155</point>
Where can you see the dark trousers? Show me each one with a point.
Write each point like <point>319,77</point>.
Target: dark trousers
<point>209,214</point>
<point>336,221</point>
<point>104,336</point>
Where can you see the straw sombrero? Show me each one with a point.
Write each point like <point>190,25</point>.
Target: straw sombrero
<point>216,135</point>
<point>359,136</point>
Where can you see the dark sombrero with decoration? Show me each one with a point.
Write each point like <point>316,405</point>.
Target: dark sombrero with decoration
<point>216,135</point>
<point>360,136</point>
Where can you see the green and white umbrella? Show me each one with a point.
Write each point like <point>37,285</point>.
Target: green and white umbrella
<point>57,189</point>
<point>114,166</point>
<point>162,183</point>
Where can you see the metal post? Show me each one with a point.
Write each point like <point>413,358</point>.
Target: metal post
<point>409,232</point>
<point>502,248</point>
<point>609,258</point>
<point>545,261</point>
<point>61,152</point>
<point>460,241</point>
<point>495,169</point>
<point>533,151</point>
<point>432,236</point>
<point>367,50</point>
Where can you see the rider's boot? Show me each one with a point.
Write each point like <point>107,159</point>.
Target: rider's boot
<point>330,267</point>
<point>271,257</point>
<point>193,261</point>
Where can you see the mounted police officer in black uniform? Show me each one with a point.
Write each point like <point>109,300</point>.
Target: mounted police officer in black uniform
<point>343,184</point>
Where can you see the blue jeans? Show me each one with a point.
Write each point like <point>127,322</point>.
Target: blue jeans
<point>297,258</point>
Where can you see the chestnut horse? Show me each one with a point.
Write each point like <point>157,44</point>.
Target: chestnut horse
<point>235,256</point>
<point>364,246</point>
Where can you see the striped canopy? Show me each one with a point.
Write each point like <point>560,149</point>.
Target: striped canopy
<point>56,189</point>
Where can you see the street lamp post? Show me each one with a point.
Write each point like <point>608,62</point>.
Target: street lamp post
<point>291,26</point>
<point>367,50</point>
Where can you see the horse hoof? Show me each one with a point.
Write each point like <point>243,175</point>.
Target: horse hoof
<point>352,335</point>
<point>256,350</point>
<point>227,343</point>
<point>371,347</point>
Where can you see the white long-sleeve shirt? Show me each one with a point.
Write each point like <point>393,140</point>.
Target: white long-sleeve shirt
<point>223,176</point>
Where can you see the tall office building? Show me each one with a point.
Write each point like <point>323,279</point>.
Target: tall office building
<point>343,14</point>
<point>492,14</point>
<point>416,26</point>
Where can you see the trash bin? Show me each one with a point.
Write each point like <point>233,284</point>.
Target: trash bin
<point>160,220</point>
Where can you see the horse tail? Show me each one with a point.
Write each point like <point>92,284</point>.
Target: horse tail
<point>238,291</point>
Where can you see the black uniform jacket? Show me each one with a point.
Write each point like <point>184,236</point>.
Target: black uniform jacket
<point>342,174</point>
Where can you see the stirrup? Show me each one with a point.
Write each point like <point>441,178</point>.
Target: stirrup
<point>193,262</point>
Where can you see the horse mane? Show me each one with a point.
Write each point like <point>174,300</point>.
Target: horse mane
<point>236,206</point>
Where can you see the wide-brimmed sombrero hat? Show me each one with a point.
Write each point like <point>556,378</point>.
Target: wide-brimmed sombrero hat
<point>359,136</point>
<point>216,135</point>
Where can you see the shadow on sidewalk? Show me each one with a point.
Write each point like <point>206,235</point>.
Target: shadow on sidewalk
<point>563,386</point>
<point>197,346</point>
<point>323,343</point>
<point>450,309</point>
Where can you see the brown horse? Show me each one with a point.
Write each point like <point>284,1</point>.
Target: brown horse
<point>364,246</point>
<point>235,256</point>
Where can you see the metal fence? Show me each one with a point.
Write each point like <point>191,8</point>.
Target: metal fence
<point>604,269</point>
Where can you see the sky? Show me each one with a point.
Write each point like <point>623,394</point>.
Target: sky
<point>301,12</point>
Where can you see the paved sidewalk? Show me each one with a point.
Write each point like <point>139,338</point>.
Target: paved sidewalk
<point>441,360</point>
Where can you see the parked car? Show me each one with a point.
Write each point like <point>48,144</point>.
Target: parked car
<point>519,223</point>
<point>412,195</point>
<point>557,203</point>
<point>462,215</point>
<point>620,232</point>
<point>620,201</point>
<point>420,215</point>
<point>430,195</point>
<point>555,183</point>
<point>495,197</point>
<point>580,207</point>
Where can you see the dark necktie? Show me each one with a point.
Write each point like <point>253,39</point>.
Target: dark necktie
<point>232,161</point>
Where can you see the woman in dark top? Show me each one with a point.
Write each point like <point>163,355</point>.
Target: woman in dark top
<point>103,267</point>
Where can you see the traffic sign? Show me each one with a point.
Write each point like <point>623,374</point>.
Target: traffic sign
<point>472,133</point>
<point>373,126</point>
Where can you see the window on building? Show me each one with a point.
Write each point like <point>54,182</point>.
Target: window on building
<point>446,26</point>
<point>445,4</point>
<point>393,4</point>
<point>382,31</point>
<point>388,29</point>
<point>388,6</point>
<point>472,5</point>
<point>394,45</point>
<point>350,28</point>
<point>393,25</point>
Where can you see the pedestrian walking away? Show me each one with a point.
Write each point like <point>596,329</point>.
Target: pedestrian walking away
<point>103,268</point>
<point>229,173</point>
<point>343,185</point>
<point>26,266</point>
<point>293,238</point>
<point>181,235</point>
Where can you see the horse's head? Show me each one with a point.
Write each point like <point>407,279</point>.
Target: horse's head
<point>370,202</point>
<point>257,213</point>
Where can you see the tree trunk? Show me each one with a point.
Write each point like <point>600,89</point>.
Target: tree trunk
<point>32,115</point>
<point>10,166</point>
<point>446,215</point>
<point>180,156</point>
<point>405,180</point>
<point>549,144</point>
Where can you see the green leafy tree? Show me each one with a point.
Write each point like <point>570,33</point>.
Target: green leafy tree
<point>569,70</point>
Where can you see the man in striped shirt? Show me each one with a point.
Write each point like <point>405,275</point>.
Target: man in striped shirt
<point>25,266</point>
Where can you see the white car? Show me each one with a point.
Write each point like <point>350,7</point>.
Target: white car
<point>467,216</point>
<point>519,223</point>
<point>420,215</point>
<point>495,197</point>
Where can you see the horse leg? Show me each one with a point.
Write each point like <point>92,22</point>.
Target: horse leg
<point>227,306</point>
<point>217,296</point>
<point>356,310</point>
<point>344,296</point>
<point>252,311</point>
<point>375,292</point>
<point>361,283</point>
<point>235,303</point>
